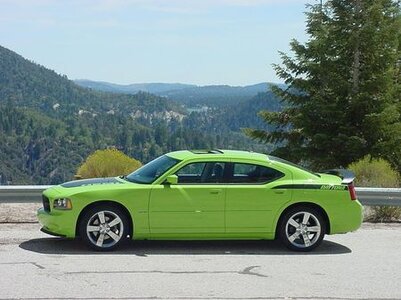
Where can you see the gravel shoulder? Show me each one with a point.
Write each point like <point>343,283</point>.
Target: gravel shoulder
<point>18,212</point>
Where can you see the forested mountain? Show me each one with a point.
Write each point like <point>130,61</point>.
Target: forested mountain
<point>215,95</point>
<point>190,95</point>
<point>30,85</point>
<point>153,88</point>
<point>49,125</point>
<point>231,118</point>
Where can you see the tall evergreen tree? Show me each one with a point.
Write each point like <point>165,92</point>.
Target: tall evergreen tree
<point>342,99</point>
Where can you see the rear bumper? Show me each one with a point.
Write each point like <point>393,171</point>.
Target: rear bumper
<point>59,223</point>
<point>348,219</point>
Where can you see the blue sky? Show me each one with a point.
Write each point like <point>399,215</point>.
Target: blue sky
<point>133,41</point>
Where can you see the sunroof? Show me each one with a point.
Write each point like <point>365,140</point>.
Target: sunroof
<point>204,151</point>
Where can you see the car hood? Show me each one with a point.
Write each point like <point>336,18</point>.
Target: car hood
<point>73,188</point>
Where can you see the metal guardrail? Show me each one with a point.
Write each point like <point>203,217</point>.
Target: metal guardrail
<point>33,193</point>
<point>379,196</point>
<point>21,193</point>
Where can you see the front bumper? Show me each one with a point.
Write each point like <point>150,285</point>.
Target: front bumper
<point>58,223</point>
<point>44,230</point>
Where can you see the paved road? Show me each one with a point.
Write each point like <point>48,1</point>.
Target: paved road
<point>361,265</point>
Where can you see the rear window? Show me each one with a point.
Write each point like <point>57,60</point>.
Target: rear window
<point>249,173</point>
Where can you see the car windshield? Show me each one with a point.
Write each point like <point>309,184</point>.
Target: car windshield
<point>152,170</point>
<point>274,158</point>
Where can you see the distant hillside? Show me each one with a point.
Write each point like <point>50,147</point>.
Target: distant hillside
<point>30,85</point>
<point>215,95</point>
<point>190,95</point>
<point>153,88</point>
<point>233,118</point>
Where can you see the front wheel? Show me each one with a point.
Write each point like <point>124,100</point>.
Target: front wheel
<point>302,229</point>
<point>104,227</point>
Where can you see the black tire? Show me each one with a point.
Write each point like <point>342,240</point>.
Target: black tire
<point>305,237</point>
<point>106,237</point>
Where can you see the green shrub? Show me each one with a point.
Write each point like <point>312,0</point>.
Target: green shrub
<point>107,163</point>
<point>377,173</point>
<point>374,173</point>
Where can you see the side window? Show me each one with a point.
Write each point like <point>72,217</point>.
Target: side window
<point>202,173</point>
<point>248,173</point>
<point>214,172</point>
<point>191,173</point>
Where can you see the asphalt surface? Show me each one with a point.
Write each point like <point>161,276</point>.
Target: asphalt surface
<point>362,265</point>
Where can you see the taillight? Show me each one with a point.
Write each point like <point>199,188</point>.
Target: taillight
<point>352,191</point>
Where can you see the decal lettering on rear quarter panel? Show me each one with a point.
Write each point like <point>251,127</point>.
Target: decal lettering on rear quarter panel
<point>333,187</point>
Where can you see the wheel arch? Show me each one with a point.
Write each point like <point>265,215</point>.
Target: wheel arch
<point>106,202</point>
<point>304,204</point>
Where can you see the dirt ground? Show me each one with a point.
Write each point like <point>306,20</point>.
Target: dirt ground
<point>18,212</point>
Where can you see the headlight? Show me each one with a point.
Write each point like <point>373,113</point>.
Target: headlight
<point>62,203</point>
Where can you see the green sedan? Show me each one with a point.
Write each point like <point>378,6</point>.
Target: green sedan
<point>215,194</point>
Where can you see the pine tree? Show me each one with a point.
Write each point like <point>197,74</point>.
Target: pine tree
<point>342,95</point>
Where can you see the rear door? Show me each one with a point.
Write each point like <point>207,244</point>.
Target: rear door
<point>253,199</point>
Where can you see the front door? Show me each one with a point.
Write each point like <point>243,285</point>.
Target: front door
<point>193,206</point>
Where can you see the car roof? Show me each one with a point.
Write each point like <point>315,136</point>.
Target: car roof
<point>217,153</point>
<point>297,171</point>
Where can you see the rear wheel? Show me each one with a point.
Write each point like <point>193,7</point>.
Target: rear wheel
<point>104,227</point>
<point>302,229</point>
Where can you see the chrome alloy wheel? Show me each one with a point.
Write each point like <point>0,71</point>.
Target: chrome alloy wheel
<point>303,229</point>
<point>105,229</point>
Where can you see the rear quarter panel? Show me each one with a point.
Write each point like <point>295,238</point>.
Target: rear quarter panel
<point>343,214</point>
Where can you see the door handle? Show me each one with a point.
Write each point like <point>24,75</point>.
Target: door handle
<point>215,191</point>
<point>279,191</point>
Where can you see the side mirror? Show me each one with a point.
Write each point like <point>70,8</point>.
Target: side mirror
<point>171,179</point>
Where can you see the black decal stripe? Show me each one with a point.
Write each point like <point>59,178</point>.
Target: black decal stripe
<point>299,186</point>
<point>308,187</point>
<point>92,181</point>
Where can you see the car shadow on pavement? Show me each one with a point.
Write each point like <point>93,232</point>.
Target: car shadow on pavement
<point>64,246</point>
